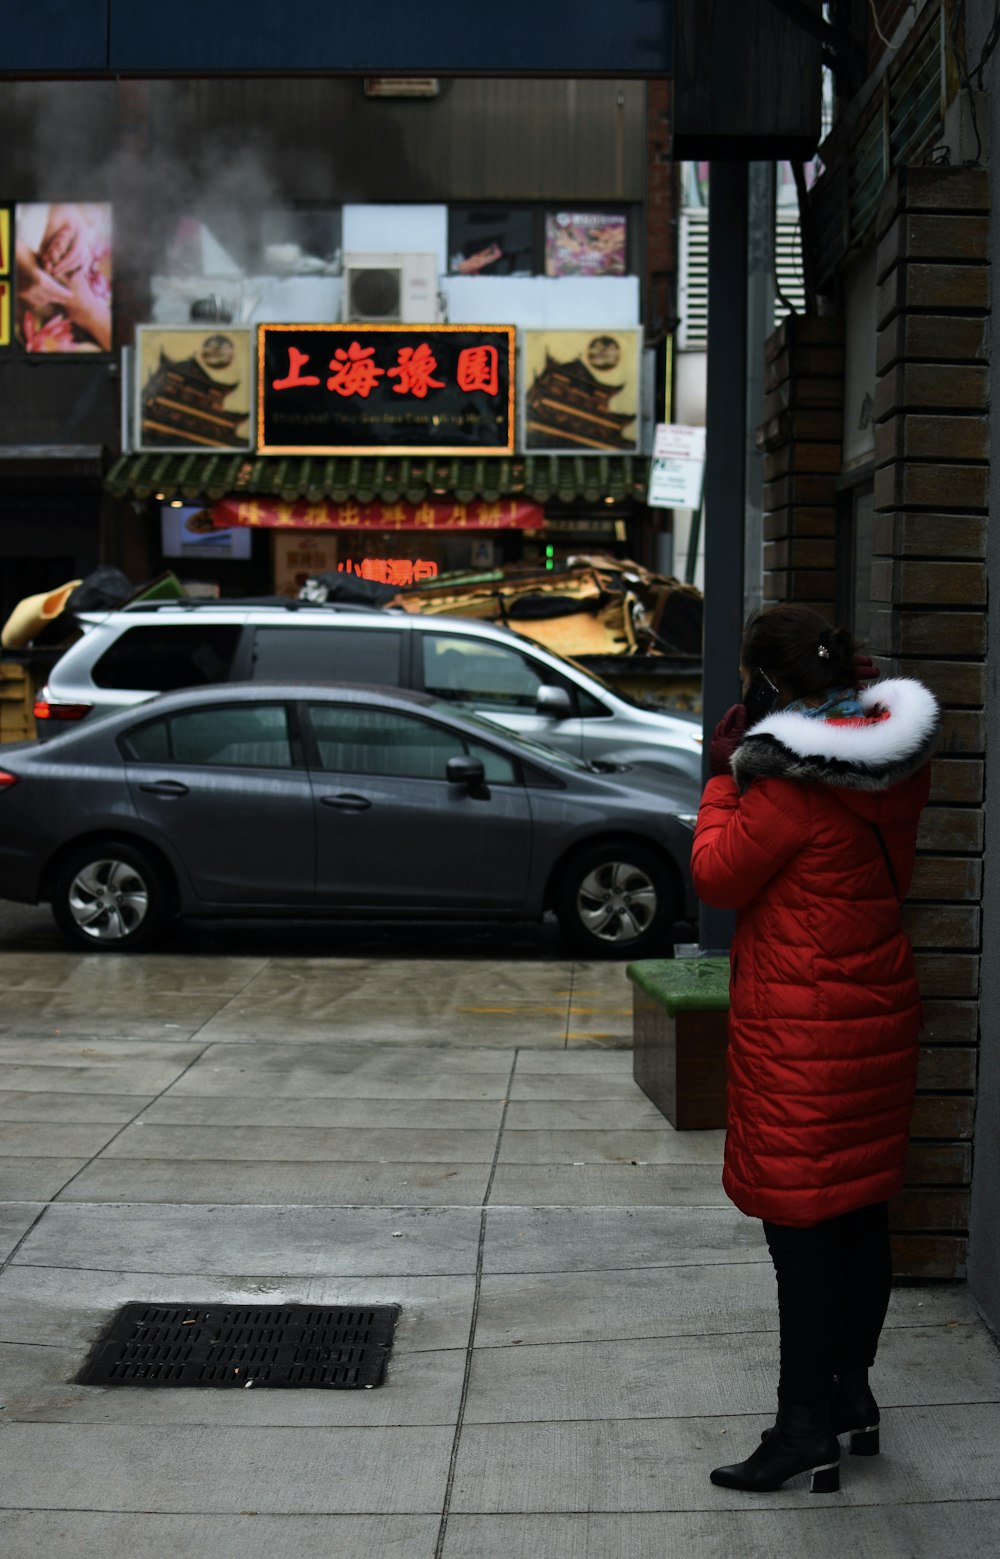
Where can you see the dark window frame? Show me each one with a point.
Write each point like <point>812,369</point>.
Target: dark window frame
<point>293,726</point>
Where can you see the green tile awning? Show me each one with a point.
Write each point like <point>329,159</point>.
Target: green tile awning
<point>199,477</point>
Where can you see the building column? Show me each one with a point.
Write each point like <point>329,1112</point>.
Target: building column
<point>928,621</point>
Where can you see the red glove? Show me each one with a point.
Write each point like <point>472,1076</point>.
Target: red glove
<point>864,671</point>
<point>726,738</point>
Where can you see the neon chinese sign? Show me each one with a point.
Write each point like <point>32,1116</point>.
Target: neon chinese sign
<point>385,389</point>
<point>390,571</point>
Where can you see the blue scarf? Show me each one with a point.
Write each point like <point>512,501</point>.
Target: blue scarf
<point>842,704</point>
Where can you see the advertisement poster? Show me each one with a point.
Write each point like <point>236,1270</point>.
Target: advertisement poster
<point>585,243</point>
<point>193,388</point>
<point>582,390</point>
<point>296,557</point>
<point>189,531</point>
<point>385,389</point>
<point>4,276</point>
<point>62,256</point>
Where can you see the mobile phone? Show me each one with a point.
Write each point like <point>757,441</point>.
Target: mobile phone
<point>760,697</point>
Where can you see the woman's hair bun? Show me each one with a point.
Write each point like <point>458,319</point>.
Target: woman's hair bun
<point>798,645</point>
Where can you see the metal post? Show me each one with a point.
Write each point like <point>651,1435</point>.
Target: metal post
<point>725,469</point>
<point>760,323</point>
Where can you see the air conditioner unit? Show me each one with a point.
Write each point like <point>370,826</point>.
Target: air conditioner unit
<point>383,288</point>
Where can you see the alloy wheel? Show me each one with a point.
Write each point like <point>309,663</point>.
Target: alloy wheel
<point>616,902</point>
<point>108,899</point>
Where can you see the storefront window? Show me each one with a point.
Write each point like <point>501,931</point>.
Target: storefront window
<point>491,241</point>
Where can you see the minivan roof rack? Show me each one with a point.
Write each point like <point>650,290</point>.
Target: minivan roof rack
<point>202,603</point>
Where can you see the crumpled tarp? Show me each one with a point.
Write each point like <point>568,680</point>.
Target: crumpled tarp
<point>589,606</point>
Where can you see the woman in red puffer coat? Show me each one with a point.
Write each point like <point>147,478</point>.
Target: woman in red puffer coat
<point>808,830</point>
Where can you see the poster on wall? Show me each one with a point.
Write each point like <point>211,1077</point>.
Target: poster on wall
<point>189,531</point>
<point>581,390</point>
<point>297,557</point>
<point>585,243</point>
<point>193,388</point>
<point>62,258</point>
<point>677,469</point>
<point>385,389</point>
<point>4,276</point>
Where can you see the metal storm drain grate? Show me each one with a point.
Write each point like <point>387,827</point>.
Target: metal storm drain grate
<point>243,1345</point>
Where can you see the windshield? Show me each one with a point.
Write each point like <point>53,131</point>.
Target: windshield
<point>628,698</point>
<point>528,748</point>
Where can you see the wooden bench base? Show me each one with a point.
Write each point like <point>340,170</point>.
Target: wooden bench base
<point>680,1062</point>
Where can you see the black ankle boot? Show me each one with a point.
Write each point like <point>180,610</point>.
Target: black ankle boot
<point>854,1411</point>
<point>802,1440</point>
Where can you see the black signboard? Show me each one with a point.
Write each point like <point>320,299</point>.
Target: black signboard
<point>385,389</point>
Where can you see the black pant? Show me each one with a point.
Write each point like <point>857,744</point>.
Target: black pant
<point>834,1282</point>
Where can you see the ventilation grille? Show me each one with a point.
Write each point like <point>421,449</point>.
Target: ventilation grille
<point>788,266</point>
<point>692,292</point>
<point>243,1345</point>
<point>692,282</point>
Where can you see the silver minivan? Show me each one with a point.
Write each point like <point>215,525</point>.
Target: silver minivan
<point>131,655</point>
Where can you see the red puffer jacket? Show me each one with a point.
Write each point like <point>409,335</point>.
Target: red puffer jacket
<point>825,1013</point>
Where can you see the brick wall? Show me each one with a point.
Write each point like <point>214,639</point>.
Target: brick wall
<point>928,621</point>
<point>801,441</point>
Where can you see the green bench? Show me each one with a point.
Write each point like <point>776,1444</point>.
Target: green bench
<point>679,1016</point>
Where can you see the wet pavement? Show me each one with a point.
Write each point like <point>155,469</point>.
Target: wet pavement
<point>443,1118</point>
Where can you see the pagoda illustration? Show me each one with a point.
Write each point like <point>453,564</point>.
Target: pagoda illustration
<point>566,404</point>
<point>182,405</point>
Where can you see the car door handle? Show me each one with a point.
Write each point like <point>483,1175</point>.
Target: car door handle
<point>165,788</point>
<point>346,802</point>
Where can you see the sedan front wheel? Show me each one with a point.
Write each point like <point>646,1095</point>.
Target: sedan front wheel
<point>109,897</point>
<point>616,902</point>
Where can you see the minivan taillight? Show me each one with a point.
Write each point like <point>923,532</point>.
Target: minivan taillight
<point>50,709</point>
<point>7,780</point>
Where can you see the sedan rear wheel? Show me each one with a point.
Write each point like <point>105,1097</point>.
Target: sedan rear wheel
<point>616,902</point>
<point>110,897</point>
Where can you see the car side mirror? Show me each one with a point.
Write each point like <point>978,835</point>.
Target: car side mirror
<point>554,702</point>
<point>465,771</point>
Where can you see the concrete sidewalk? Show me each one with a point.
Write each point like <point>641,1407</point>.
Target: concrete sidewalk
<point>587,1326</point>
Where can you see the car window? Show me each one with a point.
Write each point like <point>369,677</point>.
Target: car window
<point>250,736</point>
<point>352,740</point>
<point>327,653</point>
<point>472,671</point>
<point>147,743</point>
<point>498,769</point>
<point>550,755</point>
<point>163,657</point>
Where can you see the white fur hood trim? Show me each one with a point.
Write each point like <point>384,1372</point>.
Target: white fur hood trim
<point>857,756</point>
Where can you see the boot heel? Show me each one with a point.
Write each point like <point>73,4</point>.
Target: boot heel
<point>825,1480</point>
<point>864,1442</point>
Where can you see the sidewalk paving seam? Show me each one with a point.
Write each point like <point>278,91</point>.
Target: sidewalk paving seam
<point>146,1102</point>
<point>473,1320</point>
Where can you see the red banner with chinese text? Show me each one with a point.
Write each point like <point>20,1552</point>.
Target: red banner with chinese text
<point>481,515</point>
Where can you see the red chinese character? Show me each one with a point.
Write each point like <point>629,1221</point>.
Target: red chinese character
<point>353,372</point>
<point>295,377</point>
<point>423,569</point>
<point>375,568</point>
<point>478,369</point>
<point>414,367</point>
<point>400,571</point>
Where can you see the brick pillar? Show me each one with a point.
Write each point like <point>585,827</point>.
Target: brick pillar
<point>928,621</point>
<point>801,440</point>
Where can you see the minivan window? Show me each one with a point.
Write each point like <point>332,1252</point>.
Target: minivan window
<point>327,654</point>
<point>476,672</point>
<point>163,657</point>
